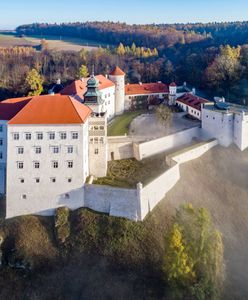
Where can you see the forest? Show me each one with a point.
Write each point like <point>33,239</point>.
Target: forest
<point>211,57</point>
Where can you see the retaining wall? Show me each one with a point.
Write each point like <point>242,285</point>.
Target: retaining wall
<point>163,144</point>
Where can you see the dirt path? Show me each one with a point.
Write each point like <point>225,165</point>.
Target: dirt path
<point>219,181</point>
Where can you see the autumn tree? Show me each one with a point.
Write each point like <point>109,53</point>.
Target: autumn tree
<point>225,69</point>
<point>83,72</point>
<point>193,261</point>
<point>163,114</point>
<point>34,82</point>
<point>120,49</point>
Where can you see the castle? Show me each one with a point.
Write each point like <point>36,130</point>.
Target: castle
<point>50,144</point>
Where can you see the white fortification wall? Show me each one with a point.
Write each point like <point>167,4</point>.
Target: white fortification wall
<point>120,147</point>
<point>163,144</point>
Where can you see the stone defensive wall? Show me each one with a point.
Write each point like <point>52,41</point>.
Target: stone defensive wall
<point>135,204</point>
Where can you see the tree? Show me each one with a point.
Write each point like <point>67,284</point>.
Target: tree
<point>201,269</point>
<point>34,83</point>
<point>120,49</point>
<point>163,114</point>
<point>83,72</point>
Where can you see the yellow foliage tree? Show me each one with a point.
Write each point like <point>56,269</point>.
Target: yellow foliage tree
<point>34,82</point>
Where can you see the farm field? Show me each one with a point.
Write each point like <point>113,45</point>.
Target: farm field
<point>54,42</point>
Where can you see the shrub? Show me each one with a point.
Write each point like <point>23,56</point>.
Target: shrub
<point>62,224</point>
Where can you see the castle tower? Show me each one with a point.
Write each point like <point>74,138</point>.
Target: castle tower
<point>118,77</point>
<point>98,147</point>
<point>172,93</point>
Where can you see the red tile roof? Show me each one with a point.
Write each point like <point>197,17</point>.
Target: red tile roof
<point>56,109</point>
<point>117,72</point>
<point>192,100</point>
<point>9,108</point>
<point>146,88</point>
<point>173,84</point>
<point>79,87</point>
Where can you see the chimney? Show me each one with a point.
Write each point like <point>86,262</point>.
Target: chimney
<point>140,83</point>
<point>185,84</point>
<point>58,81</point>
<point>193,91</point>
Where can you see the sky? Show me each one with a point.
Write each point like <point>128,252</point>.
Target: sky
<point>18,12</point>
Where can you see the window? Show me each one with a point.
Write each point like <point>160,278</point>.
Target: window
<point>39,136</point>
<point>96,151</point>
<point>55,164</point>
<point>28,136</point>
<point>70,164</point>
<point>69,180</point>
<point>101,127</point>
<point>37,150</point>
<point>1,142</point>
<point>74,135</point>
<point>37,180</point>
<point>21,180</point>
<point>95,127</point>
<point>36,165</point>
<point>53,179</point>
<point>96,140</point>
<point>67,196</point>
<point>24,196</point>
<point>101,140</point>
<point>20,165</point>
<point>20,150</point>
<point>55,150</point>
<point>1,128</point>
<point>1,155</point>
<point>70,149</point>
<point>51,135</point>
<point>63,135</point>
<point>16,136</point>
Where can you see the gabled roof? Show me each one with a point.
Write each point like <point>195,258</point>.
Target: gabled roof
<point>117,72</point>
<point>146,88</point>
<point>173,84</point>
<point>79,87</point>
<point>10,107</point>
<point>192,100</point>
<point>48,109</point>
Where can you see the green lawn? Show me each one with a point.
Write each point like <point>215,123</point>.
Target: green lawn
<point>121,123</point>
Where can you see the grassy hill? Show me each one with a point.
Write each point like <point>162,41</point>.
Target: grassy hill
<point>53,42</point>
<point>108,258</point>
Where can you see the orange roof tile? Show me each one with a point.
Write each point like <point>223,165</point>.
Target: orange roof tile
<point>117,72</point>
<point>79,87</point>
<point>192,101</point>
<point>146,88</point>
<point>50,109</point>
<point>10,107</point>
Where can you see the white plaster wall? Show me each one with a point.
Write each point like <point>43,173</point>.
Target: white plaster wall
<point>219,125</point>
<point>108,95</point>
<point>192,152</point>
<point>119,149</point>
<point>155,191</point>
<point>45,196</point>
<point>241,131</point>
<point>3,150</point>
<point>119,82</point>
<point>114,201</point>
<point>156,146</point>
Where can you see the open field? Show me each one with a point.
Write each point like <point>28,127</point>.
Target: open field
<point>53,42</point>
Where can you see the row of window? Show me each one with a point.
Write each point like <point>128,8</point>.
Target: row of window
<point>52,179</point>
<point>40,135</point>
<point>24,196</point>
<point>96,140</point>
<point>96,127</point>
<point>1,128</point>
<point>55,149</point>
<point>36,164</point>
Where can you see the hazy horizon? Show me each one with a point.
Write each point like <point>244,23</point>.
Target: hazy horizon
<point>138,12</point>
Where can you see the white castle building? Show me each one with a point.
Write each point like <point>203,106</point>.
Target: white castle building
<point>50,144</point>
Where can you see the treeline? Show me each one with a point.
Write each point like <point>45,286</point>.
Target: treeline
<point>114,33</point>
